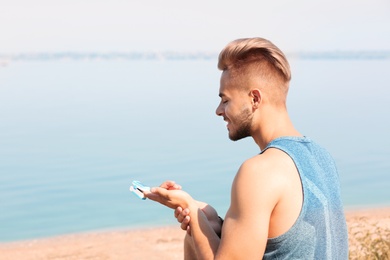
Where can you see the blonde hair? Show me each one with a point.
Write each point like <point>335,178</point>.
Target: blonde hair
<point>247,51</point>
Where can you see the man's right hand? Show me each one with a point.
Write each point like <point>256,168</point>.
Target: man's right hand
<point>182,216</point>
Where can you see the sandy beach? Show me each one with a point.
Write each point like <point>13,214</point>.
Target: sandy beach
<point>369,231</point>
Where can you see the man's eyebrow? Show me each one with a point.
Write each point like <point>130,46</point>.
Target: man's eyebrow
<point>221,95</point>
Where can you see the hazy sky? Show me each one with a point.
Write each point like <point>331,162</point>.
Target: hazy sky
<point>159,25</point>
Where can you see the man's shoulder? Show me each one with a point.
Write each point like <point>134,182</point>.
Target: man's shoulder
<point>270,161</point>
<point>261,183</point>
<point>273,168</point>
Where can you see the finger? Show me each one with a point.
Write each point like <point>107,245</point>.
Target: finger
<point>186,212</point>
<point>156,195</point>
<point>185,223</point>
<point>176,187</point>
<point>170,185</point>
<point>181,217</point>
<point>178,211</point>
<point>152,196</point>
<point>167,184</point>
<point>162,192</point>
<point>189,230</point>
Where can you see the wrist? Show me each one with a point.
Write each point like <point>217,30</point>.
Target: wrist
<point>193,208</point>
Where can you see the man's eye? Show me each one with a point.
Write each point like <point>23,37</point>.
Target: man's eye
<point>224,101</point>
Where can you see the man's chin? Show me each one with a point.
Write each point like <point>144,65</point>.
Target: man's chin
<point>237,137</point>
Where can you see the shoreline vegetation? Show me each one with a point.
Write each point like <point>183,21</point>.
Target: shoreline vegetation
<point>369,238</point>
<point>6,58</point>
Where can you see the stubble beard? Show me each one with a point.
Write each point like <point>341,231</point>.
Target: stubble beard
<point>243,122</point>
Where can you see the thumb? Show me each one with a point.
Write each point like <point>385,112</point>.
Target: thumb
<point>156,194</point>
<point>159,191</point>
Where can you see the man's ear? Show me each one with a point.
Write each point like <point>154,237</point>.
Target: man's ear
<point>256,97</point>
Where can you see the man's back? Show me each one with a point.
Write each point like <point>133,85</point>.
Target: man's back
<point>320,231</point>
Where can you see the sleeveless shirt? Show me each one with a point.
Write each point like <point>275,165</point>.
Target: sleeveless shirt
<point>320,231</point>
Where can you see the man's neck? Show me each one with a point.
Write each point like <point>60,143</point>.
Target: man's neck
<point>275,125</point>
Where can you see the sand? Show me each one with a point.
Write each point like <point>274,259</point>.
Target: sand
<point>160,243</point>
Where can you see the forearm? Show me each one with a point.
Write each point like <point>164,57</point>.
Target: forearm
<point>212,216</point>
<point>206,240</point>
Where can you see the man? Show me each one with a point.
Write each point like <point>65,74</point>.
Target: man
<point>285,201</point>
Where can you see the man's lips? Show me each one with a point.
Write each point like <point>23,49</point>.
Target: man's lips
<point>227,122</point>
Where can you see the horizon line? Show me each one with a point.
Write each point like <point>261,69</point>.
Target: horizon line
<point>176,55</point>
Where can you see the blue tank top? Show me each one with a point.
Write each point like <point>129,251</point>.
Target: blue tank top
<point>320,231</point>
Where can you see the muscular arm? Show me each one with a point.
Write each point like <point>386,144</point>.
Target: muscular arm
<point>261,206</point>
<point>253,198</point>
<point>255,192</point>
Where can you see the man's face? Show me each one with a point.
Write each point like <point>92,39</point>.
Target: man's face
<point>235,108</point>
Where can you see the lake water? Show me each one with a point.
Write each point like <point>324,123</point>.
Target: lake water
<point>74,134</point>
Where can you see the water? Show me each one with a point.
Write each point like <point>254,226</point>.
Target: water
<point>74,134</point>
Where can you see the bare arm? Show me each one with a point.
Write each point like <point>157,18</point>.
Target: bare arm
<point>255,192</point>
<point>204,236</point>
<point>215,221</point>
<point>253,197</point>
<point>182,215</point>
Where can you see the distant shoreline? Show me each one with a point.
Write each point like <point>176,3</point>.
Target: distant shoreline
<point>171,55</point>
<point>167,242</point>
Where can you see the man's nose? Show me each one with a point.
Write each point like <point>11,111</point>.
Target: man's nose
<point>219,110</point>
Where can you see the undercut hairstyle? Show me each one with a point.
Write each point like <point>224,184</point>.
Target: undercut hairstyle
<point>243,55</point>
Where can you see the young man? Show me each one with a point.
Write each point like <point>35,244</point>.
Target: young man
<point>285,201</point>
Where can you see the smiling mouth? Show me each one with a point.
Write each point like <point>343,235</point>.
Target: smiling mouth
<point>227,124</point>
